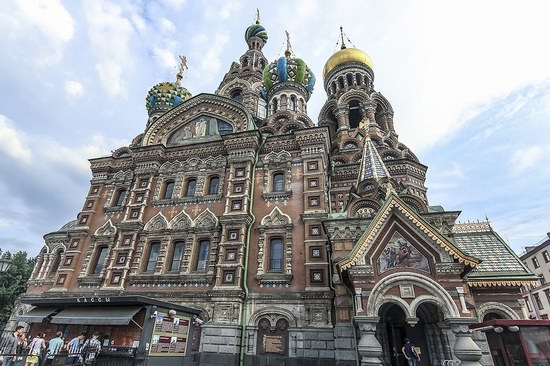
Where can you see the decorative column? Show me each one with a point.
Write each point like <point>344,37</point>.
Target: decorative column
<point>460,291</point>
<point>369,348</point>
<point>465,349</point>
<point>341,116</point>
<point>358,301</point>
<point>524,310</point>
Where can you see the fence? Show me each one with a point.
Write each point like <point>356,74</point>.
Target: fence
<point>109,356</point>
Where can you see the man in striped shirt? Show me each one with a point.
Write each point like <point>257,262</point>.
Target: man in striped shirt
<point>74,349</point>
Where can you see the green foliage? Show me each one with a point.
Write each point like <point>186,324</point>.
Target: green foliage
<point>14,283</point>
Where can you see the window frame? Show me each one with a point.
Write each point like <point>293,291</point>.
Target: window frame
<point>201,264</point>
<point>173,259</point>
<point>210,182</point>
<point>188,187</point>
<point>279,241</point>
<point>120,197</point>
<point>278,181</point>
<point>169,186</point>
<point>99,263</point>
<point>535,262</point>
<point>149,261</point>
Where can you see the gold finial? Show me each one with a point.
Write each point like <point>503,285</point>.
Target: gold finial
<point>343,45</point>
<point>288,51</point>
<point>181,69</point>
<point>257,16</point>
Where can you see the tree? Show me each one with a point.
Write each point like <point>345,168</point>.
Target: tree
<point>13,283</point>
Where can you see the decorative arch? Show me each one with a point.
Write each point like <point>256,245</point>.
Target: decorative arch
<point>353,94</point>
<point>107,229</point>
<point>381,100</point>
<point>181,221</point>
<point>276,218</point>
<point>206,220</point>
<point>275,312</point>
<point>439,295</point>
<point>157,223</point>
<point>495,307</point>
<point>123,176</point>
<point>122,152</point>
<point>395,300</point>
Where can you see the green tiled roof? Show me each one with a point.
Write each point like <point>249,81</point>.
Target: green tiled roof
<point>497,259</point>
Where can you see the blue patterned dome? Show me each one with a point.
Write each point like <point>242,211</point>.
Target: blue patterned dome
<point>289,69</point>
<point>255,30</point>
<point>165,96</point>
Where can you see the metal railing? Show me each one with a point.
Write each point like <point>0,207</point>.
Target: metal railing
<point>104,358</point>
<point>450,363</point>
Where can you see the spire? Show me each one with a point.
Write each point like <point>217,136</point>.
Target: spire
<point>343,45</point>
<point>181,69</point>
<point>288,51</point>
<point>257,16</point>
<point>372,166</point>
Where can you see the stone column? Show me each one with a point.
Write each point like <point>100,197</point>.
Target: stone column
<point>465,349</point>
<point>342,117</point>
<point>369,348</point>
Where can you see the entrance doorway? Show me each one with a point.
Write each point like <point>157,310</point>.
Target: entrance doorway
<point>426,335</point>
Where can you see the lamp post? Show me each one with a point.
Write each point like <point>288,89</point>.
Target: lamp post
<point>5,261</point>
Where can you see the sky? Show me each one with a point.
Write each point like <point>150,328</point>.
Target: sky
<point>469,83</point>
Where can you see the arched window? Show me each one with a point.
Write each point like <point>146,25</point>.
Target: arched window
<point>334,87</point>
<point>278,182</point>
<point>349,77</point>
<point>213,185</point>
<point>292,103</point>
<point>168,190</point>
<point>358,79</point>
<point>153,256</point>
<point>237,95</point>
<point>121,195</point>
<point>191,185</point>
<point>262,108</point>
<point>100,260</point>
<point>275,105</point>
<point>341,82</point>
<point>56,262</point>
<point>202,255</point>
<point>177,255</point>
<point>354,114</point>
<point>276,254</point>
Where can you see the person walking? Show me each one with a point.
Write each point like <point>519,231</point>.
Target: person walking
<point>74,349</point>
<point>91,349</point>
<point>410,353</point>
<point>54,346</point>
<point>37,345</point>
<point>9,350</point>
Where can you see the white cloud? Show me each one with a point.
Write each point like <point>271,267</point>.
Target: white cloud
<point>38,28</point>
<point>228,8</point>
<point>165,58</point>
<point>524,159</point>
<point>176,4</point>
<point>167,26</point>
<point>12,141</point>
<point>74,88</point>
<point>209,52</point>
<point>110,33</point>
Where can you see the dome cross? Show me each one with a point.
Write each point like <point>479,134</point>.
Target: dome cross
<point>181,69</point>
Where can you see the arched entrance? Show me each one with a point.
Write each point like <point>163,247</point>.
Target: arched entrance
<point>424,331</point>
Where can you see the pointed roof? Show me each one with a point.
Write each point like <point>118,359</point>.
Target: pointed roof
<point>372,166</point>
<point>394,203</point>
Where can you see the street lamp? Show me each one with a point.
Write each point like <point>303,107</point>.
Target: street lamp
<point>5,261</point>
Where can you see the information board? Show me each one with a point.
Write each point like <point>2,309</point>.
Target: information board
<point>170,336</point>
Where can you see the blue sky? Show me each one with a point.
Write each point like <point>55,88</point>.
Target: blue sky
<point>469,82</point>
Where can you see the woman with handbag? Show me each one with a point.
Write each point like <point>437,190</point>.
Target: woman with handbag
<point>36,347</point>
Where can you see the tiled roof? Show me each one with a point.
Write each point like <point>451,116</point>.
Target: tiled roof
<point>497,259</point>
<point>372,166</point>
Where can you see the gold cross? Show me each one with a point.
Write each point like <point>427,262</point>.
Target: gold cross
<point>257,16</point>
<point>195,210</point>
<point>172,211</point>
<point>181,69</point>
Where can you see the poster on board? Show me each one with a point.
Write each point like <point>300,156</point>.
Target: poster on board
<point>170,335</point>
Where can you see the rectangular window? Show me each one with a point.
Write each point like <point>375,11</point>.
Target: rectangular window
<point>228,277</point>
<point>537,300</point>
<point>315,252</point>
<point>177,256</point>
<point>314,201</point>
<point>542,279</point>
<point>191,185</point>
<point>276,254</point>
<point>236,205</point>
<point>238,188</point>
<point>153,256</point>
<point>546,256</point>
<point>202,256</point>
<point>100,261</point>
<point>239,172</point>
<point>134,214</point>
<point>547,293</point>
<point>535,262</point>
<point>528,305</point>
<point>316,276</point>
<point>121,258</point>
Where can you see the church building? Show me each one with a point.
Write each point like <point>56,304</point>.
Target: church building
<point>276,235</point>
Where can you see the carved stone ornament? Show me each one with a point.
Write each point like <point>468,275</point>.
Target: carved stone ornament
<point>157,223</point>
<point>107,229</point>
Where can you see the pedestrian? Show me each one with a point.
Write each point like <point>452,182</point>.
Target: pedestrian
<point>54,346</point>
<point>9,350</point>
<point>91,349</point>
<point>74,349</point>
<point>410,353</point>
<point>37,345</point>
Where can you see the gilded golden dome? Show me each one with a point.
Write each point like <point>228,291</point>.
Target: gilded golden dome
<point>346,55</point>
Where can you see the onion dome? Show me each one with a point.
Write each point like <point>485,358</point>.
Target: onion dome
<point>288,69</point>
<point>165,96</point>
<point>346,55</point>
<point>255,30</point>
